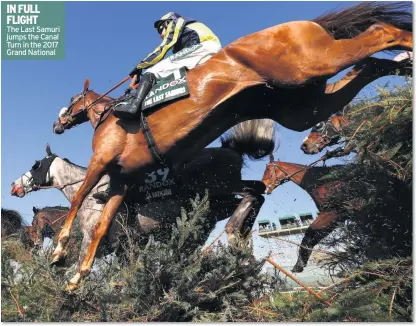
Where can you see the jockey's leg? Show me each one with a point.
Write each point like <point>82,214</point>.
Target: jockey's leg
<point>129,109</point>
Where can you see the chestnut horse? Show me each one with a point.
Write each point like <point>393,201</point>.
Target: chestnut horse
<point>324,134</point>
<point>278,73</point>
<point>325,193</point>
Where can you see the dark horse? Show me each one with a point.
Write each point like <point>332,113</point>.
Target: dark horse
<point>47,221</point>
<point>325,193</point>
<point>12,225</point>
<point>279,73</point>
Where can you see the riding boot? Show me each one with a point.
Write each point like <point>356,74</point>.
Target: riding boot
<point>126,110</point>
<point>102,196</point>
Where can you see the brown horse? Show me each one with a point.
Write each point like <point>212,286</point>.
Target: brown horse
<point>305,177</point>
<point>48,221</point>
<point>278,73</point>
<point>324,134</point>
<point>325,193</point>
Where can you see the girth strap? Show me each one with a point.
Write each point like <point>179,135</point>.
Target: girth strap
<point>151,144</point>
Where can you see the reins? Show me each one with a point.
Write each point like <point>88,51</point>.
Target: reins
<point>97,99</point>
<point>60,187</point>
<point>287,178</point>
<point>109,91</point>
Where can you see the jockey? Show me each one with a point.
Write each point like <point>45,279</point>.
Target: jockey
<point>178,33</point>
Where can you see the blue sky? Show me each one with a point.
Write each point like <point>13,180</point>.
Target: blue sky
<point>104,41</point>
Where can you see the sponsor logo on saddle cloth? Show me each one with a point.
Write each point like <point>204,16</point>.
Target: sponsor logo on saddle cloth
<point>155,183</point>
<point>170,88</point>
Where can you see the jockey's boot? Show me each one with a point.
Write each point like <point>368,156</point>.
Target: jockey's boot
<point>102,196</point>
<point>128,110</point>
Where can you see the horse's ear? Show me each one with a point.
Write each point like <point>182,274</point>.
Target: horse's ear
<point>48,150</point>
<point>86,84</point>
<point>35,210</point>
<point>271,158</point>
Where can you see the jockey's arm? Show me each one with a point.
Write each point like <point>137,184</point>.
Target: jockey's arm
<point>173,32</point>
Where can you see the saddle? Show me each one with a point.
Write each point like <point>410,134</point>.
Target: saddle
<point>167,90</point>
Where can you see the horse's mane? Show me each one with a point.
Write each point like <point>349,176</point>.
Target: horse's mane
<point>53,208</point>
<point>78,166</point>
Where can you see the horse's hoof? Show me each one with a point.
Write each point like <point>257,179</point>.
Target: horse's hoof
<point>297,269</point>
<point>71,287</point>
<point>58,260</point>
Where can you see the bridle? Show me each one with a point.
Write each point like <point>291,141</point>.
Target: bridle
<point>277,181</point>
<point>73,118</point>
<point>36,182</point>
<point>329,135</point>
<point>288,176</point>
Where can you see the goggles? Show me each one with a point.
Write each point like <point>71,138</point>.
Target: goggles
<point>161,27</point>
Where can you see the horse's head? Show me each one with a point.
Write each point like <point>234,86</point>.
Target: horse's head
<point>39,175</point>
<point>75,113</point>
<point>273,175</point>
<point>42,226</point>
<point>323,134</point>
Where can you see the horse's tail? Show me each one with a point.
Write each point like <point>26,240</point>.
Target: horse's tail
<point>350,22</point>
<point>254,138</point>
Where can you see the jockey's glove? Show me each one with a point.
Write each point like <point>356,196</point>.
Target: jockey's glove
<point>135,71</point>
<point>128,91</point>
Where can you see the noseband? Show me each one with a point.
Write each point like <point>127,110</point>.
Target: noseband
<point>39,175</point>
<point>72,118</point>
<point>329,135</point>
<point>278,182</point>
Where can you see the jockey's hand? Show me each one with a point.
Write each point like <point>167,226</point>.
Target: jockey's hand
<point>127,91</point>
<point>135,71</point>
<point>134,81</point>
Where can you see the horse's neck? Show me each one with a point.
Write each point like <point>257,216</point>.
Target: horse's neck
<point>70,176</point>
<point>95,111</point>
<point>57,215</point>
<point>297,170</point>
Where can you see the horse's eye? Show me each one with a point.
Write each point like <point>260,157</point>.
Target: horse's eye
<point>36,166</point>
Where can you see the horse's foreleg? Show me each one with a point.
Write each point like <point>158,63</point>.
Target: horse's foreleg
<point>337,95</point>
<point>101,229</point>
<point>241,221</point>
<point>319,229</point>
<point>369,70</point>
<point>251,218</point>
<point>94,172</point>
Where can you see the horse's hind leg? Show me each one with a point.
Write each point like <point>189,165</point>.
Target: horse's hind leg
<point>94,172</point>
<point>319,229</point>
<point>335,55</point>
<point>110,209</point>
